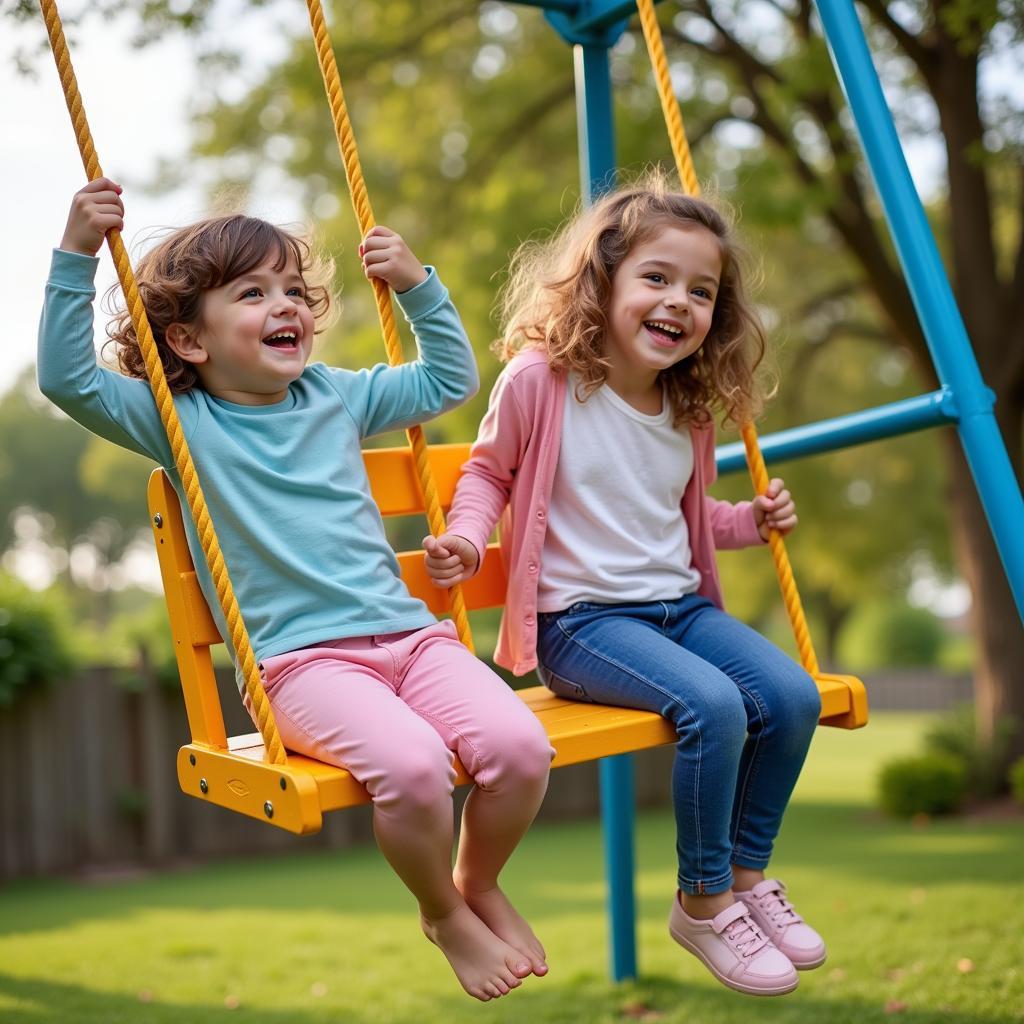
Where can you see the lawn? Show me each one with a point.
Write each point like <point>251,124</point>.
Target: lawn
<point>924,924</point>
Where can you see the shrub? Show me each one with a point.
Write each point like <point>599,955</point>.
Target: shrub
<point>34,649</point>
<point>1017,779</point>
<point>884,635</point>
<point>927,784</point>
<point>956,735</point>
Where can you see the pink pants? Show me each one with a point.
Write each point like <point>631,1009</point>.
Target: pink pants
<point>392,709</point>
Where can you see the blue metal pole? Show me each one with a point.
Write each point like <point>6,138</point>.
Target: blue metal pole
<point>931,410</point>
<point>618,798</point>
<point>933,298</point>
<point>597,175</point>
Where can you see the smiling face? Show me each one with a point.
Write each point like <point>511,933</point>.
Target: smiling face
<point>662,301</point>
<point>254,335</point>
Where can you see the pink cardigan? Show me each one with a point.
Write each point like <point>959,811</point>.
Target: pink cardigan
<point>511,470</point>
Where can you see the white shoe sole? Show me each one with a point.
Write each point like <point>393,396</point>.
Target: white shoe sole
<point>807,966</point>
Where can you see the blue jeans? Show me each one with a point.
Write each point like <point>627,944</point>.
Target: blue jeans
<point>744,713</point>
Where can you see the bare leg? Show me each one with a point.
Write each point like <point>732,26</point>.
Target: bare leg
<point>703,908</point>
<point>706,907</point>
<point>418,846</point>
<point>744,879</point>
<point>493,823</point>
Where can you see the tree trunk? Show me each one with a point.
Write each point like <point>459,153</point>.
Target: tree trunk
<point>995,623</point>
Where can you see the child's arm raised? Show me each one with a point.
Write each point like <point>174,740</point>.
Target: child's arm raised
<point>444,376</point>
<point>118,408</point>
<point>95,210</point>
<point>386,257</point>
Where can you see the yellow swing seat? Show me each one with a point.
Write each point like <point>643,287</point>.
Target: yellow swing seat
<point>233,773</point>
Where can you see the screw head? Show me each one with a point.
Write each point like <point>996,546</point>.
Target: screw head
<point>192,760</point>
<point>268,809</point>
<point>204,785</point>
<point>284,782</point>
<point>158,520</point>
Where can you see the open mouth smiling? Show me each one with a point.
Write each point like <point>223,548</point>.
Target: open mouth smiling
<point>663,331</point>
<point>286,341</point>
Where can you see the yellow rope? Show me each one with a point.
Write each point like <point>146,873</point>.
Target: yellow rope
<point>364,214</point>
<point>275,753</point>
<point>755,460</point>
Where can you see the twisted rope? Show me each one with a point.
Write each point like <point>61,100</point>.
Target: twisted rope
<point>755,460</point>
<point>382,294</point>
<point>275,753</point>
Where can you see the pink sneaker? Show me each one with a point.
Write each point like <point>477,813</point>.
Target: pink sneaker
<point>734,950</point>
<point>776,917</point>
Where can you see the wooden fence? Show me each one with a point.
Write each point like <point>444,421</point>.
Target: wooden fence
<point>88,783</point>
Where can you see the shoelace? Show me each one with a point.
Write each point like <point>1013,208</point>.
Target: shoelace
<point>778,909</point>
<point>745,936</point>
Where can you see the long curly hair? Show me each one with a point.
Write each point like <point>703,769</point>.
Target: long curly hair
<point>173,276</point>
<point>558,295</point>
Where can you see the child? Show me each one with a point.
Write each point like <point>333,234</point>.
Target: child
<point>358,672</point>
<point>623,333</point>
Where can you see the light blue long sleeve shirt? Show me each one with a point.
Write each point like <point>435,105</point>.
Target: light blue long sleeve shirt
<point>285,484</point>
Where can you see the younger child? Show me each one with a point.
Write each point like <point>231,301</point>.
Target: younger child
<point>358,672</point>
<point>623,334</point>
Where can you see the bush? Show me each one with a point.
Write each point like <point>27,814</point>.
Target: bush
<point>956,735</point>
<point>1017,779</point>
<point>34,648</point>
<point>886,635</point>
<point>927,784</point>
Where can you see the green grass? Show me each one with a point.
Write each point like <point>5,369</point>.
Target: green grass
<point>318,937</point>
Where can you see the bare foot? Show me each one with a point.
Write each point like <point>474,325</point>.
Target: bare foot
<point>492,906</point>
<point>486,966</point>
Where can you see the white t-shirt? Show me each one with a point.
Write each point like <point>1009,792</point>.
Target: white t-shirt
<point>616,531</point>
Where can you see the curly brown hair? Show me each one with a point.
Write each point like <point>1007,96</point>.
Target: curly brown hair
<point>558,294</point>
<point>173,276</point>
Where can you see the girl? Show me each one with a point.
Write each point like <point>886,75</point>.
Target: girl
<point>623,334</point>
<point>358,672</point>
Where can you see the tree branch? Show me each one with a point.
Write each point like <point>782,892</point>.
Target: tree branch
<point>922,56</point>
<point>518,130</point>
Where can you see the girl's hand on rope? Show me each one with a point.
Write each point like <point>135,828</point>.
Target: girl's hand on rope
<point>386,256</point>
<point>450,559</point>
<point>95,210</point>
<point>774,510</point>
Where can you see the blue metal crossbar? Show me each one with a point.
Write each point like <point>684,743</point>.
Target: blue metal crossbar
<point>593,26</point>
<point>931,410</point>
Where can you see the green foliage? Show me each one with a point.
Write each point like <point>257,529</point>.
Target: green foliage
<point>956,735</point>
<point>84,487</point>
<point>884,635</point>
<point>927,784</point>
<point>134,637</point>
<point>34,646</point>
<point>1017,780</point>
